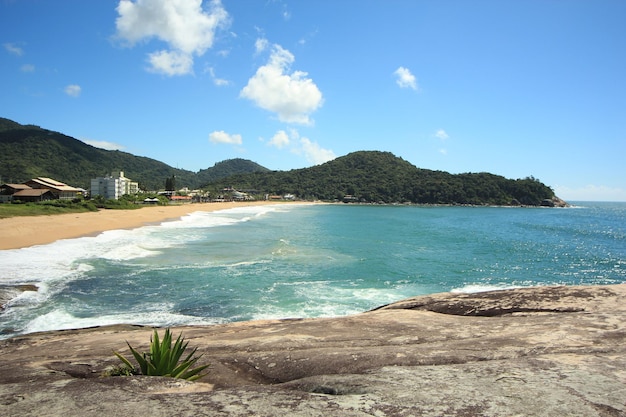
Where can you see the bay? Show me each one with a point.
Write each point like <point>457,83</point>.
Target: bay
<point>316,260</point>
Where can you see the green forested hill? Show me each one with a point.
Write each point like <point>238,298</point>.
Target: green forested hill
<point>28,151</point>
<point>373,176</point>
<point>227,168</point>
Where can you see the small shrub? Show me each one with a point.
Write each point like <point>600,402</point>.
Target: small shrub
<point>121,370</point>
<point>164,359</point>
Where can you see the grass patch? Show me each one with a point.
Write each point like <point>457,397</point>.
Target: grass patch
<point>45,208</point>
<point>51,207</point>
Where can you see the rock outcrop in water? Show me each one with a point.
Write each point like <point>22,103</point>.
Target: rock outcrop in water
<point>8,292</point>
<point>550,351</point>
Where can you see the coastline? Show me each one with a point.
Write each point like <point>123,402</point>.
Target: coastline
<point>533,352</point>
<point>25,231</point>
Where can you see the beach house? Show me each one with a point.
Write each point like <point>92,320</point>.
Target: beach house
<point>60,190</point>
<point>38,189</point>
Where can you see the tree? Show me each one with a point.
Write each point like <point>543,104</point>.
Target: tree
<point>170,183</point>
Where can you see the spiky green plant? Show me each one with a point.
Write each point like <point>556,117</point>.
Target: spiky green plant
<point>164,359</point>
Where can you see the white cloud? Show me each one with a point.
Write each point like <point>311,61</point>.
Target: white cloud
<point>27,68</point>
<point>405,79</point>
<point>441,134</point>
<point>443,151</point>
<point>314,153</point>
<point>73,90</point>
<point>293,97</point>
<point>223,137</point>
<point>183,25</point>
<point>220,82</point>
<point>171,62</point>
<point>261,45</point>
<point>311,151</point>
<point>217,81</point>
<point>591,193</point>
<point>13,49</point>
<point>109,146</point>
<point>279,140</point>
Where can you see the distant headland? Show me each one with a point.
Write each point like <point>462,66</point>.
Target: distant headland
<point>29,151</point>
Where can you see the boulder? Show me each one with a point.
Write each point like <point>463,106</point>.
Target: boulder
<point>9,292</point>
<point>545,351</point>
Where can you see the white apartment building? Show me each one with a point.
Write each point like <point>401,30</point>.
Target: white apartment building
<point>114,186</point>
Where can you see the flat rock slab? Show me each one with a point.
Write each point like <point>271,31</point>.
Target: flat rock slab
<point>546,351</point>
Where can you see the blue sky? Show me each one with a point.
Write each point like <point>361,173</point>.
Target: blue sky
<point>515,88</point>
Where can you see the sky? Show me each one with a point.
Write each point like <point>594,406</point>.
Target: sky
<point>515,88</point>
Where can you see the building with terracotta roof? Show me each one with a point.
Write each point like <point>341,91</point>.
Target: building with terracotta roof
<point>32,194</point>
<point>38,189</point>
<point>60,190</point>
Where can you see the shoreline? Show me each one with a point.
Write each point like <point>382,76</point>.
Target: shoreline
<point>26,231</point>
<point>443,354</point>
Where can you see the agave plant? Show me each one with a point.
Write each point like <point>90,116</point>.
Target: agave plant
<point>164,359</point>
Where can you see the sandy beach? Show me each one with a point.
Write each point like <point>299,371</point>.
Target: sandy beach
<point>21,232</point>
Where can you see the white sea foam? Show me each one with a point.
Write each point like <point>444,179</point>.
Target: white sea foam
<point>311,298</point>
<point>307,309</point>
<point>244,263</point>
<point>61,319</point>
<point>202,219</point>
<point>474,288</point>
<point>59,259</point>
<point>54,265</point>
<point>41,263</point>
<point>30,298</point>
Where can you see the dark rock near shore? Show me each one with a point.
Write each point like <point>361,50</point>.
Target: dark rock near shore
<point>9,292</point>
<point>549,351</point>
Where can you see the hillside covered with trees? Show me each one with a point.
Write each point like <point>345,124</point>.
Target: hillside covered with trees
<point>381,177</point>
<point>28,151</point>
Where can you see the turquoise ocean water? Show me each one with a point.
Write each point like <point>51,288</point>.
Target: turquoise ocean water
<point>285,261</point>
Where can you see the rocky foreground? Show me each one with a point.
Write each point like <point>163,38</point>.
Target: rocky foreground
<point>551,351</point>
